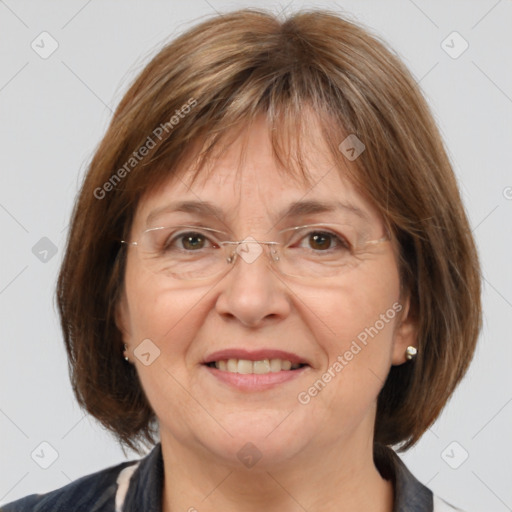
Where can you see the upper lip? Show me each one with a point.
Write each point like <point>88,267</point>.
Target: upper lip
<point>254,355</point>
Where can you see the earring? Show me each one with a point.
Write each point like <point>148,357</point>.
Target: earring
<point>410,353</point>
<point>126,358</point>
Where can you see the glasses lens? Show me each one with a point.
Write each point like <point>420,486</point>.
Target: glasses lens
<point>317,251</point>
<point>184,252</point>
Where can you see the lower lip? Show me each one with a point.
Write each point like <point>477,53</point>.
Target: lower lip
<point>255,381</point>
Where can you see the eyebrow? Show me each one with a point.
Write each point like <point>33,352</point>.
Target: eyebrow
<point>207,209</point>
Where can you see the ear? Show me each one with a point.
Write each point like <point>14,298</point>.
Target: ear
<point>405,334</point>
<point>122,318</point>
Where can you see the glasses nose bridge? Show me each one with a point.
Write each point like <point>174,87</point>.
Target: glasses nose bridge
<point>250,250</point>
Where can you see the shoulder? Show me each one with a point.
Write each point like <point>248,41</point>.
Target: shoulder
<point>410,493</point>
<point>92,493</point>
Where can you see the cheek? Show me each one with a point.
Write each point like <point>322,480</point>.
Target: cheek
<point>170,319</point>
<point>356,321</point>
<point>155,311</point>
<point>359,301</point>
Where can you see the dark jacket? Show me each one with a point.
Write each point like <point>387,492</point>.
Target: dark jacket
<point>137,487</point>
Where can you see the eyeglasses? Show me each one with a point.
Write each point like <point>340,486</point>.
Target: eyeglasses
<point>194,252</point>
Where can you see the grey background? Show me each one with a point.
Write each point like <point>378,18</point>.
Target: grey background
<point>53,113</point>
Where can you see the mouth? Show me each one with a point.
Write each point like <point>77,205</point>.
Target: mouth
<point>274,364</point>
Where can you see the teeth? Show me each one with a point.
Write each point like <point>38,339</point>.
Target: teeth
<point>259,367</point>
<point>245,366</point>
<point>286,365</point>
<point>275,365</point>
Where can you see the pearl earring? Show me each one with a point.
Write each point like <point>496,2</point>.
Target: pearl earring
<point>125,349</point>
<point>410,353</point>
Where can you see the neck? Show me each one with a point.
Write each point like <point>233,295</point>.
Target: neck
<point>343,479</point>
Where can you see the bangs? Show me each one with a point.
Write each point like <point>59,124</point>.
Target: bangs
<point>295,122</point>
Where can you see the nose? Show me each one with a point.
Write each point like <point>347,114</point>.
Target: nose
<point>253,292</point>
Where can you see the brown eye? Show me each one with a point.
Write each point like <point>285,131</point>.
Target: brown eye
<point>320,241</point>
<point>192,241</point>
<point>189,241</point>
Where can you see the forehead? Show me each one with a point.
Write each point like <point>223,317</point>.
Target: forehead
<point>244,180</point>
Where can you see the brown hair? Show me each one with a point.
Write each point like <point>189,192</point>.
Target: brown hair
<point>218,75</point>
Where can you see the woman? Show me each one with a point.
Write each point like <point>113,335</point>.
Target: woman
<point>269,274</point>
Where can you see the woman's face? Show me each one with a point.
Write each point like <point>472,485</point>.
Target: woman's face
<point>346,328</point>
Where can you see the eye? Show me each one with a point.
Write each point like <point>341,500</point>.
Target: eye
<point>185,240</point>
<point>189,241</point>
<point>325,240</point>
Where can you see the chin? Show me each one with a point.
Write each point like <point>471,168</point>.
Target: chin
<point>256,440</point>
